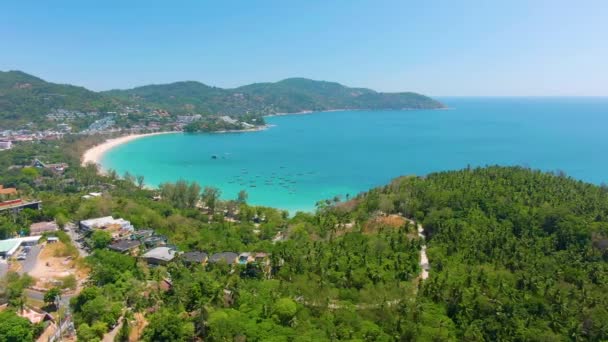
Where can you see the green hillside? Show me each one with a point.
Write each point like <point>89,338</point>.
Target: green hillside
<point>25,98</point>
<point>288,96</point>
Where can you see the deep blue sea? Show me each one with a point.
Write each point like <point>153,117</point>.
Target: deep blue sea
<point>305,158</point>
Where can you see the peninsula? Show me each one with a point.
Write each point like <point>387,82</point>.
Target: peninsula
<point>29,103</point>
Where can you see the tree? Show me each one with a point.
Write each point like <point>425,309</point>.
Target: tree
<point>166,325</point>
<point>100,239</point>
<point>140,181</point>
<point>242,197</point>
<point>125,329</point>
<point>210,196</point>
<point>92,332</point>
<point>14,328</point>
<point>50,295</point>
<point>285,309</point>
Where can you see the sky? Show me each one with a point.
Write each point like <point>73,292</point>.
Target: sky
<point>439,48</point>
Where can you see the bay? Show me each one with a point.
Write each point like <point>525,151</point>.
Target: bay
<point>306,158</point>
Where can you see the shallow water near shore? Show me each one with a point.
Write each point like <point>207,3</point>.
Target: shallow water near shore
<point>306,158</point>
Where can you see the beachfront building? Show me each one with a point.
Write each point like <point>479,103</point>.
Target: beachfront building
<point>159,256</point>
<point>43,227</point>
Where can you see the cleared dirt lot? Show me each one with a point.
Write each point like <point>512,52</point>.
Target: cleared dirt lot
<point>55,264</point>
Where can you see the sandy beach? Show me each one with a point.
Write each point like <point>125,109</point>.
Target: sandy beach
<point>95,154</point>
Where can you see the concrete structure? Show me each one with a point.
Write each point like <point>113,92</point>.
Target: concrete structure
<point>159,255</point>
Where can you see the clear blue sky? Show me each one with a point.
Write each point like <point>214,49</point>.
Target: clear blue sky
<point>435,47</point>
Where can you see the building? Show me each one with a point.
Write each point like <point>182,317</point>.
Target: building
<point>10,246</point>
<point>245,258</point>
<point>261,257</point>
<point>92,195</point>
<point>125,246</point>
<point>142,234</point>
<point>7,191</point>
<point>159,255</point>
<point>105,223</point>
<point>227,257</point>
<point>192,258</point>
<point>5,145</point>
<point>43,227</point>
<point>57,167</point>
<point>155,241</point>
<point>17,205</point>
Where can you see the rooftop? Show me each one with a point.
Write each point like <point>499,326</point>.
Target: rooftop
<point>228,257</point>
<point>124,245</point>
<point>195,257</point>
<point>160,253</point>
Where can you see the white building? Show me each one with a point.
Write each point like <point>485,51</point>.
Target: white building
<point>104,222</point>
<point>6,145</point>
<point>10,246</point>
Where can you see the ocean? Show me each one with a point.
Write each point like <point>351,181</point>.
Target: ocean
<point>306,158</point>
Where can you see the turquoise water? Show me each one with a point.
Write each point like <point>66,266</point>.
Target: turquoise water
<point>305,158</point>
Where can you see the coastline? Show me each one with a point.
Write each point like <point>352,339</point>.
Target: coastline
<point>96,153</point>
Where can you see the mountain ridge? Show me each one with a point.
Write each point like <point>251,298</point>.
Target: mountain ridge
<point>27,98</point>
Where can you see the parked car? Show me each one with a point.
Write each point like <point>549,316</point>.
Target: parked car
<point>21,257</point>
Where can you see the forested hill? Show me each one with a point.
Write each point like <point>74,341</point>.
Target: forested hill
<point>515,254</point>
<point>288,96</point>
<point>26,98</point>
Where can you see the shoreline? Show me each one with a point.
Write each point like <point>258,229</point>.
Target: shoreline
<point>95,154</point>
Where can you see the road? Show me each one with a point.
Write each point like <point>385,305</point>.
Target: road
<point>72,230</point>
<point>39,296</point>
<point>29,263</point>
<point>111,335</point>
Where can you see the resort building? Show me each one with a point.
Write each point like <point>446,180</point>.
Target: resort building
<point>57,167</point>
<point>125,246</point>
<point>43,227</point>
<point>192,258</point>
<point>105,223</point>
<point>245,258</point>
<point>227,257</point>
<point>159,256</point>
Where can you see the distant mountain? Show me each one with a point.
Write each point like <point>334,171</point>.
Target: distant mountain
<point>25,98</point>
<point>287,96</point>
